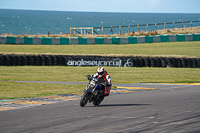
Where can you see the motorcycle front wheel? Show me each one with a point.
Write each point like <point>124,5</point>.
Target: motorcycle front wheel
<point>84,99</point>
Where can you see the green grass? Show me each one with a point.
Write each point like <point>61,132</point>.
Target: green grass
<point>10,90</point>
<point>148,49</point>
<point>60,73</point>
<point>118,74</point>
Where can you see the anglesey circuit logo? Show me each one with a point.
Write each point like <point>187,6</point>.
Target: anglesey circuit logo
<point>129,63</point>
<point>112,62</point>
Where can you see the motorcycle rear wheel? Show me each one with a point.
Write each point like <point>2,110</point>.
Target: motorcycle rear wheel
<point>96,103</point>
<point>84,99</point>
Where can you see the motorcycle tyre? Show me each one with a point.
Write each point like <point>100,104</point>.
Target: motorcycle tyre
<point>97,103</point>
<point>84,99</point>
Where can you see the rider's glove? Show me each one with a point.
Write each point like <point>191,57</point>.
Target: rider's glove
<point>88,77</point>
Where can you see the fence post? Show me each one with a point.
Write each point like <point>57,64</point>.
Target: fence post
<point>102,30</point>
<point>147,28</point>
<point>164,26</point>
<point>81,30</point>
<point>120,30</point>
<point>199,23</point>
<point>191,24</point>
<point>155,26</point>
<point>138,28</point>
<point>92,30</point>
<point>70,30</point>
<point>129,28</point>
<point>173,25</point>
<point>182,25</point>
<point>74,31</point>
<point>111,30</point>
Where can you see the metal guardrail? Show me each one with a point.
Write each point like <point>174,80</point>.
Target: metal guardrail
<point>93,29</point>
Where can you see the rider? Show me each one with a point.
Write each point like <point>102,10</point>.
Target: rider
<point>103,76</point>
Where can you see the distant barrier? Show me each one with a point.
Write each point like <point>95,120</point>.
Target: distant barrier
<point>148,27</point>
<point>99,40</point>
<point>67,60</point>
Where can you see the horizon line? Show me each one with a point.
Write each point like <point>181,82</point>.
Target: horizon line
<point>96,11</point>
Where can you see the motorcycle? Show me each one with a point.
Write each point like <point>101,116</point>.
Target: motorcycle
<point>93,93</point>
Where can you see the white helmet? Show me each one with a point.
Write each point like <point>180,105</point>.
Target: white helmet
<point>100,71</point>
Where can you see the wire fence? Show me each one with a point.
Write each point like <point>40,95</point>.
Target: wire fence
<point>133,28</point>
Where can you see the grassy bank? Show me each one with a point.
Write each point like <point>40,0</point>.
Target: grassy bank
<point>118,74</point>
<point>174,49</point>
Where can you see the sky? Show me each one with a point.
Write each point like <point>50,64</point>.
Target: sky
<point>132,6</point>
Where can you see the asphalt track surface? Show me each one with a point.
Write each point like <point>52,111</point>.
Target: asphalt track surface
<point>169,108</point>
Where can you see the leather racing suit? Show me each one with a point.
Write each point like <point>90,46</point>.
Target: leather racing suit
<point>104,78</point>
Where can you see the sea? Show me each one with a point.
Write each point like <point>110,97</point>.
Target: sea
<point>59,22</point>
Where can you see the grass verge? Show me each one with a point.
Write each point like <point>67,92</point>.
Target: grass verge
<point>173,49</point>
<point>118,74</point>
<point>10,90</point>
<point>60,73</point>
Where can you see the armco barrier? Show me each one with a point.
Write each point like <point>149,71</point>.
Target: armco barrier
<point>37,40</point>
<point>99,40</point>
<point>172,38</point>
<point>141,39</point>
<point>164,38</point>
<point>156,38</point>
<point>124,40</point>
<point>68,60</point>
<point>64,41</point>
<point>45,40</point>
<point>28,40</point>
<point>3,40</point>
<point>133,40</point>
<point>55,41</point>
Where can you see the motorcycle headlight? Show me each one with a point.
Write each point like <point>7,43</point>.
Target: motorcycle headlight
<point>92,83</point>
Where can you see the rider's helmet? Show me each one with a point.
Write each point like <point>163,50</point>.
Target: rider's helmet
<point>100,71</point>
